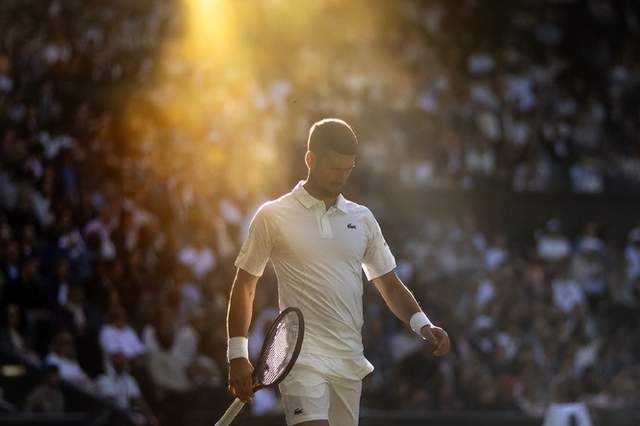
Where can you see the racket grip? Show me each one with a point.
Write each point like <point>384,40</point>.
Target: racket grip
<point>231,413</point>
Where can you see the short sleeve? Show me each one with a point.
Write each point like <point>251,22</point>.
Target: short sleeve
<point>378,259</point>
<point>256,249</point>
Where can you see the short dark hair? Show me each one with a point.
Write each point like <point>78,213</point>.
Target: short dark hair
<point>332,134</point>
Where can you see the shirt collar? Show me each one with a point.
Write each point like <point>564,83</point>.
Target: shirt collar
<point>308,201</point>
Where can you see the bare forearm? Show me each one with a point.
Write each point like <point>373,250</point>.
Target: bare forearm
<point>240,305</point>
<point>397,296</point>
<point>402,303</point>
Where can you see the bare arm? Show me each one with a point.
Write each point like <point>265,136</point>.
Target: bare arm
<point>397,296</point>
<point>403,304</point>
<point>243,291</point>
<point>239,313</point>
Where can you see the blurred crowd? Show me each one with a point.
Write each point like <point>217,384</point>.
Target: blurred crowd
<point>555,319</point>
<point>531,96</point>
<point>117,234</point>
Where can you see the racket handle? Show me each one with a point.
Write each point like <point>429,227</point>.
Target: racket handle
<point>231,413</point>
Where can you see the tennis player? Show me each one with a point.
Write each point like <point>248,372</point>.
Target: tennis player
<point>319,243</point>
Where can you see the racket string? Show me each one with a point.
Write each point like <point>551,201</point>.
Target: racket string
<point>279,351</point>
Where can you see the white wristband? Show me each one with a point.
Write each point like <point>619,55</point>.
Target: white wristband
<point>238,348</point>
<point>417,321</point>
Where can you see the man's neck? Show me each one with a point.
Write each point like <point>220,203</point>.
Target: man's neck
<point>310,187</point>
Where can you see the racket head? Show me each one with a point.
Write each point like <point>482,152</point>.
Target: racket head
<point>280,349</point>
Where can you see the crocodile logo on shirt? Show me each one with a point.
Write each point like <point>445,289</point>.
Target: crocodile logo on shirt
<point>351,226</point>
<point>298,411</point>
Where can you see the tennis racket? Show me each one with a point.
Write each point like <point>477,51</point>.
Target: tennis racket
<point>279,353</point>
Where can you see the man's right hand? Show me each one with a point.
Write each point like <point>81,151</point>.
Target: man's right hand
<point>241,378</point>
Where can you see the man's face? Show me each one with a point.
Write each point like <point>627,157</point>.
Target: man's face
<point>330,170</point>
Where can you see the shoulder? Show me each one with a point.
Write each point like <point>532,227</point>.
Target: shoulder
<point>360,211</point>
<point>363,215</point>
<point>271,206</point>
<point>270,210</point>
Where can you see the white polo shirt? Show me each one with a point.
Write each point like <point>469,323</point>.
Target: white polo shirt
<point>318,256</point>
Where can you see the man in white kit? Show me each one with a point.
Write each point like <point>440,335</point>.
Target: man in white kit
<point>319,243</point>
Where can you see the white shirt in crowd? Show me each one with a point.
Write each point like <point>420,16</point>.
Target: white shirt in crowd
<point>183,349</point>
<point>114,339</point>
<point>103,230</point>
<point>494,257</point>
<point>119,387</point>
<point>553,247</point>
<point>318,255</point>
<point>567,294</point>
<point>200,260</point>
<point>632,257</point>
<point>566,414</point>
<point>69,369</point>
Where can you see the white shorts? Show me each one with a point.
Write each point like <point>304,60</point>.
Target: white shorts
<point>308,394</point>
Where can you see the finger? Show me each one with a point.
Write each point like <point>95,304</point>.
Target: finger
<point>246,396</point>
<point>247,390</point>
<point>428,335</point>
<point>443,346</point>
<point>247,385</point>
<point>238,389</point>
<point>240,393</point>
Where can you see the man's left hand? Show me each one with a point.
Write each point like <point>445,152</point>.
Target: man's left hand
<point>437,338</point>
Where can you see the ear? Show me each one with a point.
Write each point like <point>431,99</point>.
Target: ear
<point>310,160</point>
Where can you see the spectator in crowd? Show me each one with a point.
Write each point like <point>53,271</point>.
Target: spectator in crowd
<point>199,257</point>
<point>58,286</point>
<point>12,337</point>
<point>589,265</point>
<point>75,314</point>
<point>117,336</point>
<point>82,321</point>
<point>63,356</point>
<point>28,290</point>
<point>100,230</point>
<point>72,245</point>
<point>552,244</point>
<point>47,396</point>
<point>170,352</point>
<point>119,386</point>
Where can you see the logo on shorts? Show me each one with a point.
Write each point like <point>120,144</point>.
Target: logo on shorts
<point>298,411</point>
<point>351,226</point>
